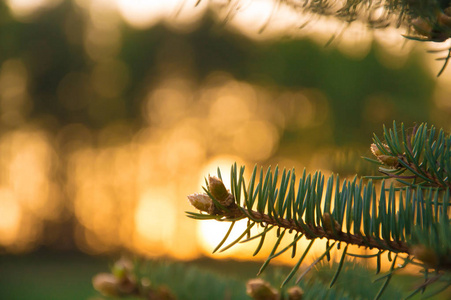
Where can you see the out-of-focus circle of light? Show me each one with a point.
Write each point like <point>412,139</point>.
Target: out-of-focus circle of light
<point>145,13</point>
<point>155,220</point>
<point>141,13</point>
<point>10,221</point>
<point>26,8</point>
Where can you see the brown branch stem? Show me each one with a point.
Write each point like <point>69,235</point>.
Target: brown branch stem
<point>237,212</point>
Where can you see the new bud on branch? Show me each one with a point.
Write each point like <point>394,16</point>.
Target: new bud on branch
<point>388,160</point>
<point>200,201</point>
<point>218,191</point>
<point>258,289</point>
<point>124,282</point>
<point>295,293</point>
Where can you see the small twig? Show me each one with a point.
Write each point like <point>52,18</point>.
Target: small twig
<point>398,176</point>
<point>428,175</point>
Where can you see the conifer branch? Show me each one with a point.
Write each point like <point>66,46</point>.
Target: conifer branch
<point>410,218</point>
<point>308,230</point>
<point>422,153</point>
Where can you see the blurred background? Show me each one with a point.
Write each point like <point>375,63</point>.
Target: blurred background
<point>112,112</point>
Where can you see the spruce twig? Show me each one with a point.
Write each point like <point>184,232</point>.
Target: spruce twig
<point>411,219</point>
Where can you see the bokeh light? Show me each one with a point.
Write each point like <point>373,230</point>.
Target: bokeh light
<point>25,9</point>
<point>10,222</point>
<point>155,220</point>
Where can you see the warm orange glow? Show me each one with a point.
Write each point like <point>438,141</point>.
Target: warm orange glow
<point>29,172</point>
<point>229,110</point>
<point>134,193</point>
<point>10,218</point>
<point>167,105</point>
<point>27,195</point>
<point>212,232</point>
<point>129,189</point>
<point>256,140</point>
<point>155,220</point>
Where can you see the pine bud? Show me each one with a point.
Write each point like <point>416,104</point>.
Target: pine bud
<point>107,284</point>
<point>128,286</point>
<point>259,289</point>
<point>217,188</point>
<point>295,293</point>
<point>200,201</point>
<point>376,151</point>
<point>122,268</point>
<point>387,160</point>
<point>219,191</point>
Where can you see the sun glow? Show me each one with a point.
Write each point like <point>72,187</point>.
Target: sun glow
<point>24,9</point>
<point>143,14</point>
<point>155,220</point>
<point>10,221</point>
<point>212,232</point>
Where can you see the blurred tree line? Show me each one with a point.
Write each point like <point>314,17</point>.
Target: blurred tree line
<point>49,53</point>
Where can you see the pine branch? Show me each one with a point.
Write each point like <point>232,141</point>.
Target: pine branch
<point>398,228</point>
<point>308,230</point>
<point>422,153</point>
<point>410,219</point>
